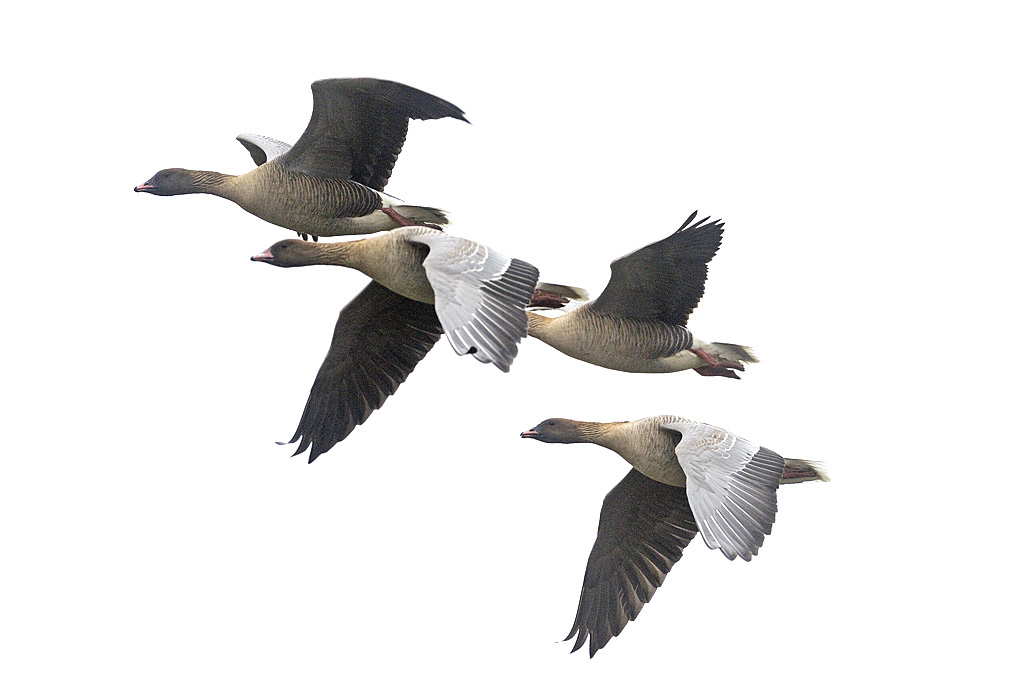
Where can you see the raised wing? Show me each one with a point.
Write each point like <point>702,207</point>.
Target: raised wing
<point>379,338</point>
<point>358,127</point>
<point>481,296</point>
<point>262,148</point>
<point>665,280</point>
<point>731,486</point>
<point>644,526</point>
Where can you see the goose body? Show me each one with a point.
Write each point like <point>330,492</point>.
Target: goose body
<point>687,477</point>
<point>330,182</point>
<point>306,204</point>
<point>618,343</point>
<point>638,323</point>
<point>425,283</point>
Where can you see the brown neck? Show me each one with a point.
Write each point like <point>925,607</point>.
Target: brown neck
<point>211,182</point>
<point>346,254</point>
<point>600,433</point>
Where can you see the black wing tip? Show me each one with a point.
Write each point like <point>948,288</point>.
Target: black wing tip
<point>417,104</point>
<point>703,224</point>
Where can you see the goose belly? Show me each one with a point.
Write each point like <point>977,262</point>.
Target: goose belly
<point>621,343</point>
<point>316,206</point>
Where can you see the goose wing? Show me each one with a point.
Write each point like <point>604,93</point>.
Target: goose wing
<point>379,337</point>
<point>731,486</point>
<point>644,526</point>
<point>358,127</point>
<point>665,280</point>
<point>481,295</point>
<point>263,148</point>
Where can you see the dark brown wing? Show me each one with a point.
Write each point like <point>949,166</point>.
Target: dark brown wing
<point>665,280</point>
<point>644,526</point>
<point>358,127</point>
<point>379,338</point>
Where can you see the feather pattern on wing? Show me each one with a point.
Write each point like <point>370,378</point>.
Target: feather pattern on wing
<point>731,486</point>
<point>481,296</point>
<point>379,338</point>
<point>358,127</point>
<point>663,281</point>
<point>263,148</point>
<point>644,526</point>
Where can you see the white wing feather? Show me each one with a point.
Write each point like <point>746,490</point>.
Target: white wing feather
<point>263,148</point>
<point>731,486</point>
<point>481,296</point>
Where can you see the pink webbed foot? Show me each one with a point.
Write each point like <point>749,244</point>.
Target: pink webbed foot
<point>406,222</point>
<point>541,298</point>
<point>708,371</point>
<point>717,363</point>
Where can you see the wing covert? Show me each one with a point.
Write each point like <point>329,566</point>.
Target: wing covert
<point>481,296</point>
<point>731,486</point>
<point>262,148</point>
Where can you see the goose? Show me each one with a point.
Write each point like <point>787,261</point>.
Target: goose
<point>638,323</point>
<point>687,477</point>
<point>330,182</point>
<point>424,283</point>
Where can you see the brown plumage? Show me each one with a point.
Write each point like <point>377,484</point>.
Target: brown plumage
<point>330,182</point>
<point>638,323</point>
<point>646,520</point>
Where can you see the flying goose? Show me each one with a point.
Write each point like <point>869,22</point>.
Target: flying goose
<point>425,283</point>
<point>638,323</point>
<point>687,477</point>
<point>330,182</point>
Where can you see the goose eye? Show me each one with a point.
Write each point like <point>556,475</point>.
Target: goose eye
<point>551,424</point>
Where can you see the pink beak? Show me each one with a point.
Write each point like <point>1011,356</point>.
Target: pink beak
<point>529,433</point>
<point>143,187</point>
<point>265,255</point>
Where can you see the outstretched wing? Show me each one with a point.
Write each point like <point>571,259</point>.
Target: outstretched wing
<point>644,526</point>
<point>731,486</point>
<point>665,280</point>
<point>481,296</point>
<point>262,148</point>
<point>358,127</point>
<point>379,338</point>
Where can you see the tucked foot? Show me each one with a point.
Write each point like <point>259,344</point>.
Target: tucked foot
<point>405,221</point>
<point>708,371</point>
<point>715,362</point>
<point>541,298</point>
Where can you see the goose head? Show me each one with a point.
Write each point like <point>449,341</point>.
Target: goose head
<point>171,181</point>
<point>556,430</point>
<point>290,253</point>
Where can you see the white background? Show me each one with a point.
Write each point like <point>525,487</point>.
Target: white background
<point>870,165</point>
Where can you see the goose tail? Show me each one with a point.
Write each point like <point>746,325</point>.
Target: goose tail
<point>422,214</point>
<point>730,353</point>
<point>797,471</point>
